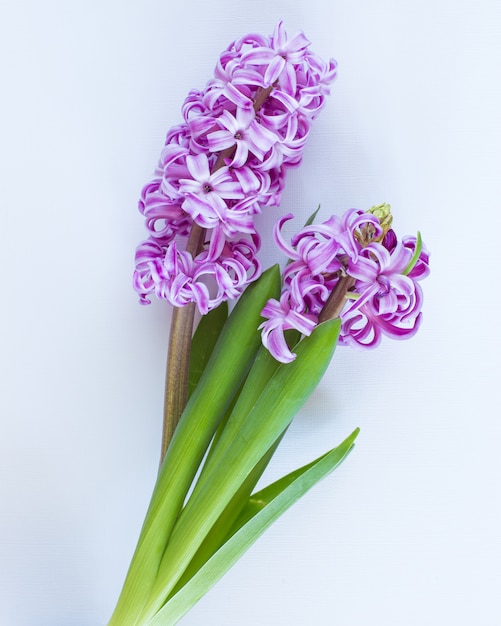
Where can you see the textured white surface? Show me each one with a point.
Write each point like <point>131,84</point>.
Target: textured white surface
<point>407,531</point>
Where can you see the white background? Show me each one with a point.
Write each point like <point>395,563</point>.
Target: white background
<point>407,531</point>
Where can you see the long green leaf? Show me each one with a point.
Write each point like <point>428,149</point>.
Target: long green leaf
<point>262,510</point>
<point>266,365</point>
<point>312,217</point>
<point>251,434</point>
<point>227,367</point>
<point>204,341</point>
<point>224,526</point>
<point>262,370</point>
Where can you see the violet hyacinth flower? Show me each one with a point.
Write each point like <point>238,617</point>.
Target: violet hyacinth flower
<point>226,161</point>
<point>245,133</point>
<point>354,268</point>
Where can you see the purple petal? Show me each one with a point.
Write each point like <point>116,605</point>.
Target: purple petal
<point>274,70</point>
<point>198,167</point>
<point>258,56</point>
<point>220,140</point>
<point>240,156</point>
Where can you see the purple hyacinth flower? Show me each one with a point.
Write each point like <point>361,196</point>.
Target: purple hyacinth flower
<point>223,164</point>
<point>345,263</point>
<point>245,133</point>
<point>205,193</point>
<point>280,57</point>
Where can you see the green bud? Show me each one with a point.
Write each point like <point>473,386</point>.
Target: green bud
<point>366,234</point>
<point>383,213</point>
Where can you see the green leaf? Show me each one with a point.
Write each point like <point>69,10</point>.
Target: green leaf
<point>312,217</point>
<point>224,526</point>
<point>227,367</point>
<point>252,429</point>
<point>272,395</point>
<point>204,340</point>
<point>264,365</point>
<point>261,372</point>
<point>415,256</point>
<point>262,510</point>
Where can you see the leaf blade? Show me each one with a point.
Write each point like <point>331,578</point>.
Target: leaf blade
<point>227,366</point>
<point>241,446</point>
<point>274,501</point>
<point>204,341</point>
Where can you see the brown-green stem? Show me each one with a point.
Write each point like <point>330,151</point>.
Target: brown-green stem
<point>178,359</point>
<point>337,299</point>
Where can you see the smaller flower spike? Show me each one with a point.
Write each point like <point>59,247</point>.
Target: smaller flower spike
<point>354,268</point>
<point>223,163</point>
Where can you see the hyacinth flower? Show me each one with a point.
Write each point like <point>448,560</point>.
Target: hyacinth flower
<point>226,161</point>
<point>353,268</point>
<point>234,386</point>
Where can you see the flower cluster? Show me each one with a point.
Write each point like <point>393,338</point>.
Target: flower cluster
<point>351,267</point>
<point>222,164</point>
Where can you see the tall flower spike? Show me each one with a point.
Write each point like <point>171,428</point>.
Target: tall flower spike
<point>223,163</point>
<point>354,268</point>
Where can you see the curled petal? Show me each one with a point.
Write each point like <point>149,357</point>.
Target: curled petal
<point>280,241</point>
<point>422,267</point>
<point>281,318</point>
<point>357,330</point>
